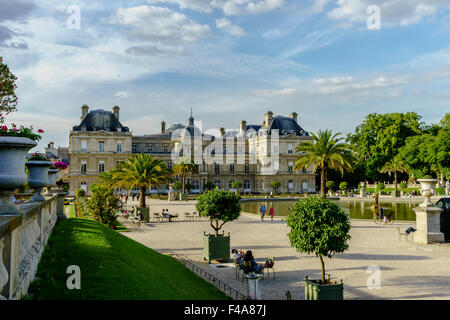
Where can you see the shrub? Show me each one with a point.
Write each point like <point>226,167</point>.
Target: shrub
<point>318,226</point>
<point>403,185</point>
<point>220,206</point>
<point>209,185</point>
<point>103,205</point>
<point>177,185</point>
<point>275,185</point>
<point>80,193</point>
<point>380,187</point>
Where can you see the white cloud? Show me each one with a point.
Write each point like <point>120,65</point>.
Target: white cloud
<point>275,92</point>
<point>197,5</point>
<point>232,29</point>
<point>393,12</point>
<point>240,7</point>
<point>121,94</point>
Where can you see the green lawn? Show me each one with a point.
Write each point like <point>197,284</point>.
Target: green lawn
<point>112,267</point>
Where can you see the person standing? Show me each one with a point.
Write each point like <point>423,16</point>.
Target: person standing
<point>262,210</point>
<point>271,212</point>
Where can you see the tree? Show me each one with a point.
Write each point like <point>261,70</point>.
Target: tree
<point>80,193</point>
<point>419,154</point>
<point>184,167</point>
<point>209,185</point>
<point>330,185</point>
<point>395,166</point>
<point>220,206</point>
<point>318,226</point>
<point>236,185</point>
<point>380,187</point>
<point>141,171</point>
<point>103,205</point>
<point>275,185</point>
<point>177,185</point>
<point>326,151</point>
<point>8,99</point>
<point>379,138</point>
<point>343,186</point>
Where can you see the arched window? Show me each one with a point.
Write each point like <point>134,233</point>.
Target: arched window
<point>290,185</point>
<point>217,183</point>
<point>246,184</point>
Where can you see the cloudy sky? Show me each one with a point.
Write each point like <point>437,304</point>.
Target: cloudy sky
<point>228,60</point>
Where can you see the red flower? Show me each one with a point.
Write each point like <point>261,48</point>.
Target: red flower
<point>41,131</point>
<point>15,129</point>
<point>4,128</point>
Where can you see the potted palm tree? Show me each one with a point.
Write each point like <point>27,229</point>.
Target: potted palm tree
<point>236,185</point>
<point>395,166</point>
<point>182,168</point>
<point>319,226</point>
<point>275,185</point>
<point>324,152</point>
<point>140,171</point>
<point>220,206</point>
<point>330,185</point>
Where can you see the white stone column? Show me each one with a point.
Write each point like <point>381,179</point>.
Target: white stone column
<point>428,225</point>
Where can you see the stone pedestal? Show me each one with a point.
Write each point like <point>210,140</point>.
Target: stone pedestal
<point>59,202</point>
<point>171,196</point>
<point>362,192</point>
<point>428,224</point>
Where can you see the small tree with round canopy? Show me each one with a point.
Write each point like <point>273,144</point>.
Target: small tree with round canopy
<point>220,206</point>
<point>318,226</point>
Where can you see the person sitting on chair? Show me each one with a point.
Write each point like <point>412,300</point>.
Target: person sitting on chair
<point>250,263</point>
<point>235,255</point>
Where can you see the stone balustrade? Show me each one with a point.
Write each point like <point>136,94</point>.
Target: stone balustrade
<point>23,237</point>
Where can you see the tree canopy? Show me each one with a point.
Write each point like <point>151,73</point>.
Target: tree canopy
<point>8,98</point>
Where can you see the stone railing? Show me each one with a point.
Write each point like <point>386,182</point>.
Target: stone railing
<point>23,237</point>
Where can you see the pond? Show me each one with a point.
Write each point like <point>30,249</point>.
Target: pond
<point>357,209</point>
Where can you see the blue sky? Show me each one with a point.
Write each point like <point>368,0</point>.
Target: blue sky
<point>228,60</point>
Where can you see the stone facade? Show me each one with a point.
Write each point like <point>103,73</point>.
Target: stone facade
<point>252,154</point>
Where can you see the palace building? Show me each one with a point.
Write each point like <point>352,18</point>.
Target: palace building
<point>253,154</point>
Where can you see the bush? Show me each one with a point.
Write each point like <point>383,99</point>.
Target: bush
<point>103,205</point>
<point>219,205</point>
<point>318,226</point>
<point>380,186</point>
<point>275,185</point>
<point>403,185</point>
<point>80,193</point>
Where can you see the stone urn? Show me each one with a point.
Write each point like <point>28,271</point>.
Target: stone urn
<point>38,177</point>
<point>427,190</point>
<point>52,178</point>
<point>13,151</point>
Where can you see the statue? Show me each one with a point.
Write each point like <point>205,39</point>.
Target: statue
<point>375,207</point>
<point>171,194</point>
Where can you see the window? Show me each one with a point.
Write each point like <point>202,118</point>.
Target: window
<point>169,165</point>
<point>196,184</point>
<point>165,149</point>
<point>101,146</point>
<point>101,166</point>
<point>290,148</point>
<point>83,146</point>
<point>224,149</point>
<point>83,166</point>
<point>83,186</point>
<point>290,185</point>
<point>247,168</point>
<point>216,168</point>
<point>290,167</point>
<point>149,148</point>
<point>217,183</point>
<point>134,148</point>
<point>230,184</point>
<point>246,184</point>
<point>231,168</point>
<point>119,146</point>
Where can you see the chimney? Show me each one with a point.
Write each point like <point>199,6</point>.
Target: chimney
<point>242,126</point>
<point>163,127</point>
<point>268,115</point>
<point>84,111</point>
<point>51,145</point>
<point>293,115</point>
<point>222,132</point>
<point>116,111</point>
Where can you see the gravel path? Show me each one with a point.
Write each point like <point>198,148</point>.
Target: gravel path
<point>407,270</point>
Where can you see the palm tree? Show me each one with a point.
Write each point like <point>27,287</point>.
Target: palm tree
<point>141,171</point>
<point>324,152</point>
<point>394,166</point>
<point>182,168</point>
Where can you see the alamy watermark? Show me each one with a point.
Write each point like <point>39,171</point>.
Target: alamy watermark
<point>374,19</point>
<point>74,280</point>
<point>73,22</point>
<point>374,280</point>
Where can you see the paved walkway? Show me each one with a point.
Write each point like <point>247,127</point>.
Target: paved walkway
<point>408,271</point>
